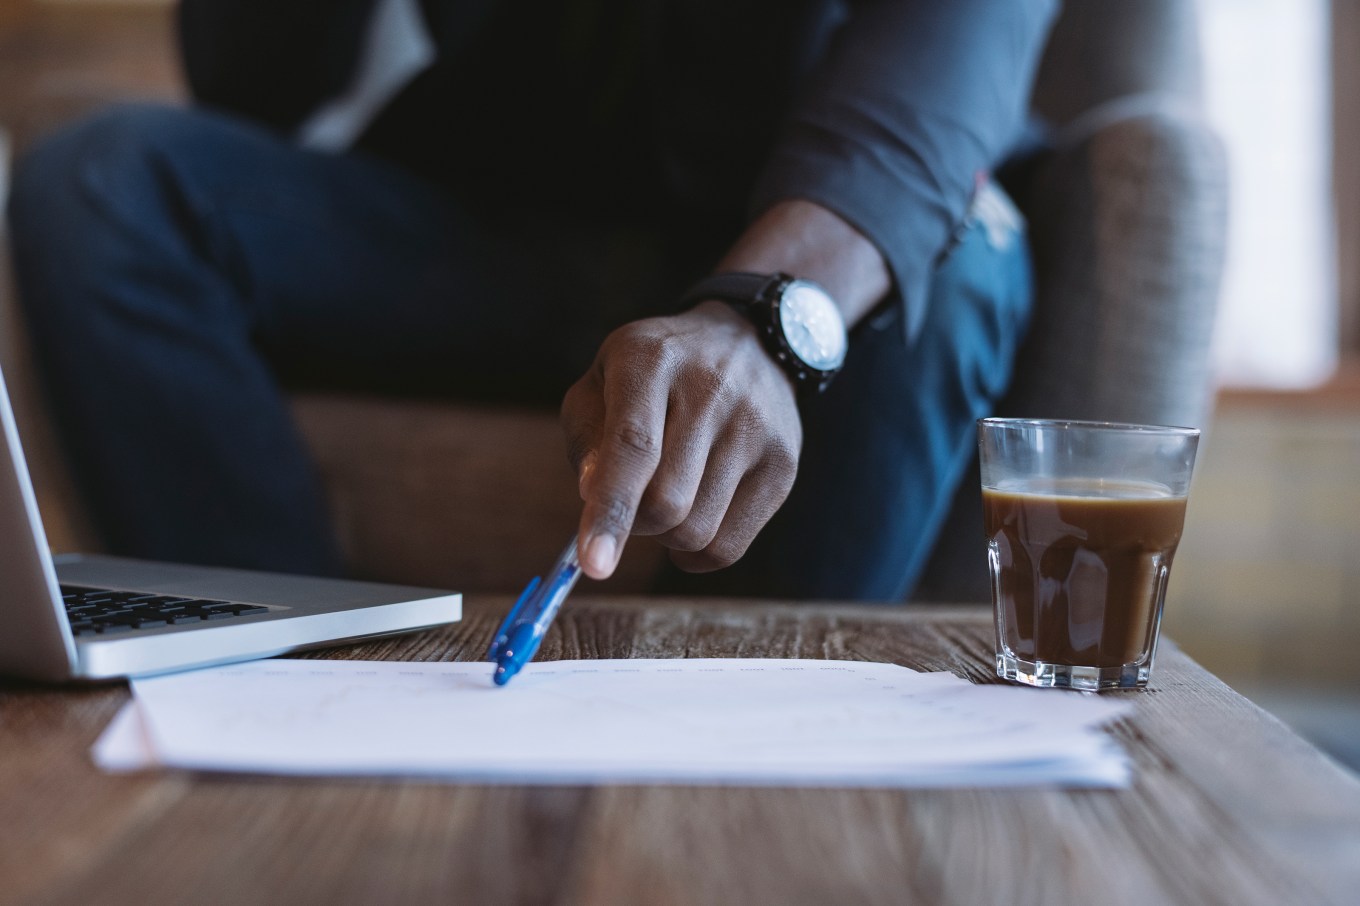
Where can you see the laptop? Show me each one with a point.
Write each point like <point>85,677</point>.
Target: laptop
<point>90,617</point>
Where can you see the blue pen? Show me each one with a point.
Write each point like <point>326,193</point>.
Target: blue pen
<point>524,627</point>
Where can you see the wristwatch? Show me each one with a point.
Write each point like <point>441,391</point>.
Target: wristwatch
<point>798,322</point>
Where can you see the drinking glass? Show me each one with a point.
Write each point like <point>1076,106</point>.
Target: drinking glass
<point>1082,521</point>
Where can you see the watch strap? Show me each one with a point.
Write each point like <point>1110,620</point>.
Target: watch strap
<point>735,287</point>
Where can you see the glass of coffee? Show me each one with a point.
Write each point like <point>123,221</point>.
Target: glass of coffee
<point>1082,521</point>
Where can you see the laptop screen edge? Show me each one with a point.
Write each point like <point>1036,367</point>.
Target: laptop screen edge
<point>39,644</point>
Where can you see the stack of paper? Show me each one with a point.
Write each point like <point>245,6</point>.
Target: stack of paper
<point>748,722</point>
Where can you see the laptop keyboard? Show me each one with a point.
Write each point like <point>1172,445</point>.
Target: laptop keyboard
<point>98,611</point>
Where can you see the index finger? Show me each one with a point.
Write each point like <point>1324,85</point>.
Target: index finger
<point>627,457</point>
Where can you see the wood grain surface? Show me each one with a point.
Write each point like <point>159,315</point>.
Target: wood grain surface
<point>1228,806</point>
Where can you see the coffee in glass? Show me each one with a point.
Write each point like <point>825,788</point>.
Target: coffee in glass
<point>1082,522</point>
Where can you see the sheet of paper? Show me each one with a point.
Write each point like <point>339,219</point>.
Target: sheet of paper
<point>124,745</point>
<point>730,721</point>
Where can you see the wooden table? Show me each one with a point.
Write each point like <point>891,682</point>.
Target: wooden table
<point>1228,805</point>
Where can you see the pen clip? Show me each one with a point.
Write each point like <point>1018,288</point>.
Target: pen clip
<point>503,634</point>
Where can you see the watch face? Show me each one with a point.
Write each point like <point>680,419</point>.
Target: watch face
<point>813,325</point>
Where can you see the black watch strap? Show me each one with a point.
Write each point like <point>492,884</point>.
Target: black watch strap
<point>733,286</point>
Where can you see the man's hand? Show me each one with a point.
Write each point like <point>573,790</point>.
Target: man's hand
<point>684,429</point>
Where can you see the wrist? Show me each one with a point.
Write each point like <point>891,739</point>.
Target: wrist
<point>809,241</point>
<point>796,322</point>
<point>727,328</point>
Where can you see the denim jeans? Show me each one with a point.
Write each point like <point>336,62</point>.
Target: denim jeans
<point>180,271</point>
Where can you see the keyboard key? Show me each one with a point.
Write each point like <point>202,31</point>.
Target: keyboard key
<point>160,600</point>
<point>238,609</point>
<point>103,611</point>
<point>138,620</point>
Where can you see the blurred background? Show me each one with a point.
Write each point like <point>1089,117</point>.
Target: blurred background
<point>1263,592</point>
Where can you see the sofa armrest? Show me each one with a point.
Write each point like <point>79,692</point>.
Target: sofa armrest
<point>1128,231</point>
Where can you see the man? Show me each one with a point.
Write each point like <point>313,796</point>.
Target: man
<point>618,186</point>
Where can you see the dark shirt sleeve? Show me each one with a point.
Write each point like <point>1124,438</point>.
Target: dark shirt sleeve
<point>913,100</point>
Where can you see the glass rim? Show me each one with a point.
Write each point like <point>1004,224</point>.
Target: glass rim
<point>1082,424</point>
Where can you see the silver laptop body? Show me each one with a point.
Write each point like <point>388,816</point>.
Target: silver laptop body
<point>37,642</point>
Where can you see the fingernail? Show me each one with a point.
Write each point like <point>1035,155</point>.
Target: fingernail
<point>601,553</point>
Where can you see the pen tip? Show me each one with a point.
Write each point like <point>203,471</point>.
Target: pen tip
<point>501,676</point>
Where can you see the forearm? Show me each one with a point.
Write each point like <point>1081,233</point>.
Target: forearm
<point>808,241</point>
<point>911,102</point>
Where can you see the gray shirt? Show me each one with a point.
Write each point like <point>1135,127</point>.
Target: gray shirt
<point>690,116</point>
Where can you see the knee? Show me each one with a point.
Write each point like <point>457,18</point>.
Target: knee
<point>77,198</point>
<point>62,187</point>
<point>74,204</point>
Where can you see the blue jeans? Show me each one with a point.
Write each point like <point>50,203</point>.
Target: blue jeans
<point>180,269</point>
